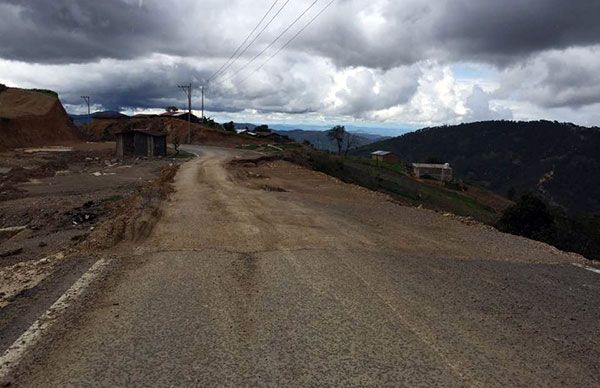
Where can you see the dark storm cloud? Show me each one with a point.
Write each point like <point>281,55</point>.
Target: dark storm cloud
<point>375,34</point>
<point>65,31</point>
<point>508,29</point>
<point>359,57</point>
<point>498,32</point>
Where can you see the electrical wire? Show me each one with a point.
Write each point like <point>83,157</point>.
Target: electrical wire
<point>310,22</point>
<point>257,36</point>
<point>273,42</point>
<point>244,42</point>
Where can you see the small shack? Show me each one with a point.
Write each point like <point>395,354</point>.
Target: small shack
<point>141,142</point>
<point>381,156</point>
<point>440,172</point>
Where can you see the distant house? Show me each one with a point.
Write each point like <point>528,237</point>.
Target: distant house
<point>144,116</point>
<point>382,156</point>
<point>141,142</point>
<point>109,115</point>
<point>182,116</point>
<point>440,172</point>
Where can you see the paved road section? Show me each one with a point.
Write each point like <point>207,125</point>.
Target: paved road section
<point>319,283</point>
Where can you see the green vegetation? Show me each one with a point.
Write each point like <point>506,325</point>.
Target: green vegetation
<point>393,179</point>
<point>209,122</point>
<point>513,158</point>
<point>531,217</point>
<point>229,127</point>
<point>46,91</point>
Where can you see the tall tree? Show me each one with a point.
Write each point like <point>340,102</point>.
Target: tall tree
<point>338,135</point>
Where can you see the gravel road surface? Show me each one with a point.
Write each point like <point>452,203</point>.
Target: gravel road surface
<point>278,276</point>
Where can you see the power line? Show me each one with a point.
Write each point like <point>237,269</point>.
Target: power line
<point>256,37</point>
<point>244,42</point>
<point>274,41</point>
<point>310,22</point>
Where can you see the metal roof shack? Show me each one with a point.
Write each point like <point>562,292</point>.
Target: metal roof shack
<point>381,156</point>
<point>441,172</point>
<point>141,142</point>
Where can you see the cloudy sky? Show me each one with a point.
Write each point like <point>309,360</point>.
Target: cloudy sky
<point>386,63</point>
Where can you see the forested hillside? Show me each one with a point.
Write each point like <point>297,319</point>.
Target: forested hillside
<point>557,161</point>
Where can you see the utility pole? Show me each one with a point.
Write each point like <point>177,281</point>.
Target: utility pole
<point>188,90</point>
<point>203,104</point>
<point>87,100</point>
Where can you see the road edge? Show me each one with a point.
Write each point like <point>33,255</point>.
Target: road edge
<point>43,326</point>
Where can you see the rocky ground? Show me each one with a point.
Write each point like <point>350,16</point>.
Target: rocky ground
<point>53,199</point>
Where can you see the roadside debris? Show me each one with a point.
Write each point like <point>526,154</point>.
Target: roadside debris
<point>84,214</point>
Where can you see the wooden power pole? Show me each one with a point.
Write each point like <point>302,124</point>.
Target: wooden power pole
<point>87,101</point>
<point>203,104</point>
<point>188,90</point>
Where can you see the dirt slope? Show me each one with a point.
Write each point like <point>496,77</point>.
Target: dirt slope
<point>175,128</point>
<point>30,118</point>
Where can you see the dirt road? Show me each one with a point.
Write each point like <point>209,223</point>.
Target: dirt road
<point>272,275</point>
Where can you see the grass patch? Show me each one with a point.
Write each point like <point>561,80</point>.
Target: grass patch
<point>393,179</point>
<point>46,91</point>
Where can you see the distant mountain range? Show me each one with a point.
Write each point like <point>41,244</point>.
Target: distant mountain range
<point>363,130</point>
<point>558,161</point>
<point>320,140</point>
<point>80,119</point>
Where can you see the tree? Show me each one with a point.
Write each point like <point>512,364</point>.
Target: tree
<point>229,127</point>
<point>337,134</point>
<point>530,217</point>
<point>262,128</point>
<point>172,109</point>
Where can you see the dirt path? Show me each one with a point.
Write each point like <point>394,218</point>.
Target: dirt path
<point>278,276</point>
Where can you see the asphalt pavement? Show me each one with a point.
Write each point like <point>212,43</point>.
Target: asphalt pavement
<point>241,287</point>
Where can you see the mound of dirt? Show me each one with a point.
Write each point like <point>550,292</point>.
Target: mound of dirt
<point>33,118</point>
<point>105,129</point>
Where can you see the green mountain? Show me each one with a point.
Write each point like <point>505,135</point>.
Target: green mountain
<point>558,161</point>
<point>321,141</point>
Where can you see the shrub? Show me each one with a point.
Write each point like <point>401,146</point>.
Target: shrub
<point>531,217</point>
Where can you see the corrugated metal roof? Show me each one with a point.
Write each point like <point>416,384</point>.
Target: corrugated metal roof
<point>381,153</point>
<point>144,131</point>
<point>430,165</point>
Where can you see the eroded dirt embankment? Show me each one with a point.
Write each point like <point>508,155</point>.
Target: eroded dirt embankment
<point>64,204</point>
<point>133,219</point>
<point>30,118</point>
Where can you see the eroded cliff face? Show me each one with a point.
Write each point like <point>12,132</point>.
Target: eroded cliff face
<point>32,118</point>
